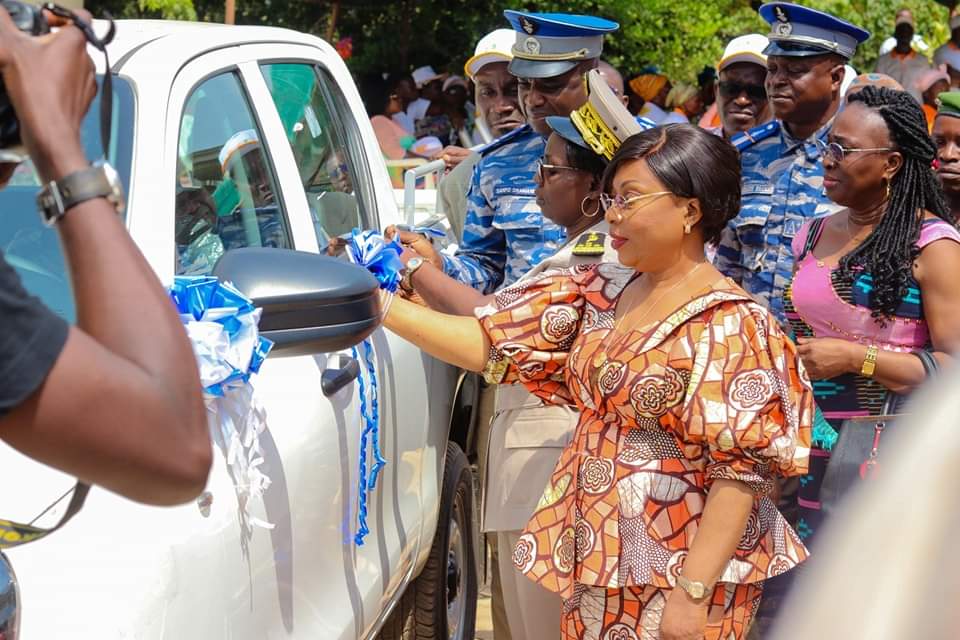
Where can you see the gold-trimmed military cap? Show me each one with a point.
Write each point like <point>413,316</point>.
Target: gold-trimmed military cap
<point>551,44</point>
<point>602,123</point>
<point>798,31</point>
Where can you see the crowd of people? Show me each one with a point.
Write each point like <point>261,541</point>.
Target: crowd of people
<point>679,295</point>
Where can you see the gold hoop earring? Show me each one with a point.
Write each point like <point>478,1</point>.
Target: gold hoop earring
<point>583,208</point>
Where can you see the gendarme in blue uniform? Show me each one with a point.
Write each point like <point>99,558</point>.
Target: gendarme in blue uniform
<point>782,175</point>
<point>504,233</point>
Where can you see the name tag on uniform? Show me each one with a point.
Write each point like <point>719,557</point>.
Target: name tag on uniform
<point>757,189</point>
<point>510,190</point>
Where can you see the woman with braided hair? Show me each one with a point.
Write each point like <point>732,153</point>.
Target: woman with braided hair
<point>873,282</point>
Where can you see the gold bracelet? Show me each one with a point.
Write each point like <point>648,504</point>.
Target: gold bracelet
<point>870,362</point>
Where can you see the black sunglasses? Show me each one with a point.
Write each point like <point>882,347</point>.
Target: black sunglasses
<point>734,89</point>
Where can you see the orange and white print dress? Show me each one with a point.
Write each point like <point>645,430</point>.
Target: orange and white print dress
<point>714,391</point>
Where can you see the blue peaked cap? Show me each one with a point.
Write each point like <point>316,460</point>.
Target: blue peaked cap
<point>798,31</point>
<point>551,44</point>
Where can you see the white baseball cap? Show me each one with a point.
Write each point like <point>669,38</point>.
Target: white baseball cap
<point>496,46</point>
<point>748,48</point>
<point>424,75</point>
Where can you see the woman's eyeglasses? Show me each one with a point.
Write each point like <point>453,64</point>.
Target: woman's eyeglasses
<point>837,152</point>
<point>628,204</point>
<point>731,90</point>
<point>541,165</point>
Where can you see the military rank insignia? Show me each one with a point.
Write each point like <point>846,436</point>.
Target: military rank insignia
<point>589,244</point>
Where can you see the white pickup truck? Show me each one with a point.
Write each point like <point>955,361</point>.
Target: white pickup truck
<point>228,138</point>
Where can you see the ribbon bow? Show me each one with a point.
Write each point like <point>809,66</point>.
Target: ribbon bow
<point>381,258</point>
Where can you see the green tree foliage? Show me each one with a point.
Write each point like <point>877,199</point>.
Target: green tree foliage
<point>169,9</point>
<point>678,36</point>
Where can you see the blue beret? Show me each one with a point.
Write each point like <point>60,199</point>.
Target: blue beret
<point>550,44</point>
<point>798,31</point>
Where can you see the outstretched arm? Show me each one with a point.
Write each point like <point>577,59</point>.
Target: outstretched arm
<point>457,340</point>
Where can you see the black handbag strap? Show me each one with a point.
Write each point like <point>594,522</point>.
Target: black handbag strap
<point>813,234</point>
<point>930,367</point>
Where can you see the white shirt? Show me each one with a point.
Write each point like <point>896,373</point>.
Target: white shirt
<point>918,45</point>
<point>415,110</point>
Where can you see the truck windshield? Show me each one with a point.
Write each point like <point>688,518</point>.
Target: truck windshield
<point>27,244</point>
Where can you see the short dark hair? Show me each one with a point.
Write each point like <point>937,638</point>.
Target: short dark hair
<point>690,163</point>
<point>586,160</point>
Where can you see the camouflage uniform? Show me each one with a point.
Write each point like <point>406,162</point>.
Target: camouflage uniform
<point>504,234</point>
<point>782,188</point>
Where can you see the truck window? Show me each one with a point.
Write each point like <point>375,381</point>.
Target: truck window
<point>323,137</point>
<point>226,189</point>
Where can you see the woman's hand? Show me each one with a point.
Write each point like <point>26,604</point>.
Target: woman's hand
<point>683,619</point>
<point>418,243</point>
<point>826,358</point>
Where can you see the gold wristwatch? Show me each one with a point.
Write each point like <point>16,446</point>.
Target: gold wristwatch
<point>870,362</point>
<point>413,264</point>
<point>697,591</point>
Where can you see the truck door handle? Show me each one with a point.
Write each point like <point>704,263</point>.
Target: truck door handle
<point>333,380</point>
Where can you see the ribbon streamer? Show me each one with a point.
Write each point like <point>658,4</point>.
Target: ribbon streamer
<point>371,433</point>
<point>222,326</point>
<point>370,250</point>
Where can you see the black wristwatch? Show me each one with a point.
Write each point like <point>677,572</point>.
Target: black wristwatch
<point>97,181</point>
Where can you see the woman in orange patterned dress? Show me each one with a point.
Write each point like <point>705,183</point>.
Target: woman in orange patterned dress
<point>692,401</point>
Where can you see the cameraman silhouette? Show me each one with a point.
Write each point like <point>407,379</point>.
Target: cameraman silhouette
<point>116,399</point>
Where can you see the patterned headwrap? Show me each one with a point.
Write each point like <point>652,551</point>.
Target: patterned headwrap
<point>648,85</point>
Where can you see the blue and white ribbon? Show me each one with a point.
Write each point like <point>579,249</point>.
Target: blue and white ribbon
<point>382,259</point>
<point>222,326</point>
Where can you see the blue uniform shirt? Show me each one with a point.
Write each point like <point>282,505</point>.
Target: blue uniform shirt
<point>504,233</point>
<point>782,188</point>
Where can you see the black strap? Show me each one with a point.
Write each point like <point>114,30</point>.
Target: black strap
<point>13,534</point>
<point>931,368</point>
<point>106,93</point>
<point>930,365</point>
<point>813,234</point>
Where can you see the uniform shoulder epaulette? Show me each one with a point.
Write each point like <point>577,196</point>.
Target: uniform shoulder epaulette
<point>749,138</point>
<point>590,244</point>
<point>504,139</point>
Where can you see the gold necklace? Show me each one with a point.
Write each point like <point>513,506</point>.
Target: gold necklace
<point>652,306</point>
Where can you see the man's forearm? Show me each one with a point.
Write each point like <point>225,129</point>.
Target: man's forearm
<point>443,293</point>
